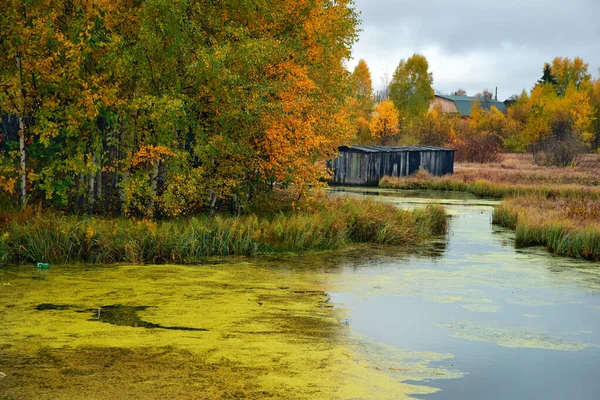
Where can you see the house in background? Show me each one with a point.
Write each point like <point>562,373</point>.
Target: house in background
<point>462,105</point>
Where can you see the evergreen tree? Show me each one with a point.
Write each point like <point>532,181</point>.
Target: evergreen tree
<point>547,76</point>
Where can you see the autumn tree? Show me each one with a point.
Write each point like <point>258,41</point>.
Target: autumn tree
<point>433,128</point>
<point>164,107</point>
<point>570,72</point>
<point>361,101</point>
<point>557,128</point>
<point>460,92</point>
<point>411,88</point>
<point>594,94</point>
<point>53,84</point>
<point>362,84</point>
<point>384,124</point>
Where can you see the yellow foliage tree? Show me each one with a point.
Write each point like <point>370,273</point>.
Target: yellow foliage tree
<point>360,102</point>
<point>384,123</point>
<point>165,107</point>
<point>557,128</point>
<point>570,72</point>
<point>431,129</point>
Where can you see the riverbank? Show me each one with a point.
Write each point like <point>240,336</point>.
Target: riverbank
<point>557,208</point>
<point>565,226</point>
<point>319,224</point>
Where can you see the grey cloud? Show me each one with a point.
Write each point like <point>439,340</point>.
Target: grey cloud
<point>510,39</point>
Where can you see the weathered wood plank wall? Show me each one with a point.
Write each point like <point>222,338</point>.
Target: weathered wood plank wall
<point>366,165</point>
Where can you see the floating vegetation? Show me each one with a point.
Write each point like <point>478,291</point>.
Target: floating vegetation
<point>271,333</point>
<point>485,308</point>
<point>511,336</point>
<point>530,302</point>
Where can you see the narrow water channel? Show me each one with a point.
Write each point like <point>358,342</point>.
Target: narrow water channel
<point>465,317</point>
<point>520,324</point>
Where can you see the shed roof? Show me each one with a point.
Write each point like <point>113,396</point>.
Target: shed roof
<point>464,103</point>
<point>391,149</point>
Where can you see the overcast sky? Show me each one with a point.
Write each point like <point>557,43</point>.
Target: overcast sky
<point>477,44</point>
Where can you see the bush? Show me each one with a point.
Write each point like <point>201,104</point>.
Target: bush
<point>472,145</point>
<point>562,148</point>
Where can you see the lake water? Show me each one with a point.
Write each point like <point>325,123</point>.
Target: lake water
<point>464,317</point>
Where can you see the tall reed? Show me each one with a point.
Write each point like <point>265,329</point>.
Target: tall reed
<point>565,226</point>
<point>321,224</point>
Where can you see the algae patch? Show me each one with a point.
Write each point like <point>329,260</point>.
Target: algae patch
<point>484,308</point>
<point>511,336</point>
<point>271,332</point>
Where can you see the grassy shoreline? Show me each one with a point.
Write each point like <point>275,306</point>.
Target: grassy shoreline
<point>323,224</point>
<point>565,227</point>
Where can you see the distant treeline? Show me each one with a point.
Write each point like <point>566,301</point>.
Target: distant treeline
<point>165,107</point>
<point>556,121</point>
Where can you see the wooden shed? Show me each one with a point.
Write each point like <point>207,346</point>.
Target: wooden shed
<point>366,165</point>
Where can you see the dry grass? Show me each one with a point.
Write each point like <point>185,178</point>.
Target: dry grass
<point>514,175</point>
<point>520,161</point>
<point>565,226</point>
<point>496,186</point>
<point>520,169</point>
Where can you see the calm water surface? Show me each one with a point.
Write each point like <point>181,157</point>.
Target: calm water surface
<point>520,324</point>
<point>465,317</point>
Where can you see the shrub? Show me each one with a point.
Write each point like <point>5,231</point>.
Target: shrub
<point>562,148</point>
<point>472,145</point>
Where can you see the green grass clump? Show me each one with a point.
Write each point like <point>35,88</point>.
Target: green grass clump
<point>565,226</point>
<point>320,224</point>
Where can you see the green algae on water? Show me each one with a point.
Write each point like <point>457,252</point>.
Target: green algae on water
<point>270,333</point>
<point>511,336</point>
<point>483,308</point>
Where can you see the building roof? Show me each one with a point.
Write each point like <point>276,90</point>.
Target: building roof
<point>391,149</point>
<point>464,103</point>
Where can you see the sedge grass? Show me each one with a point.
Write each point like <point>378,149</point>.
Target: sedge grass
<point>322,224</point>
<point>565,226</point>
